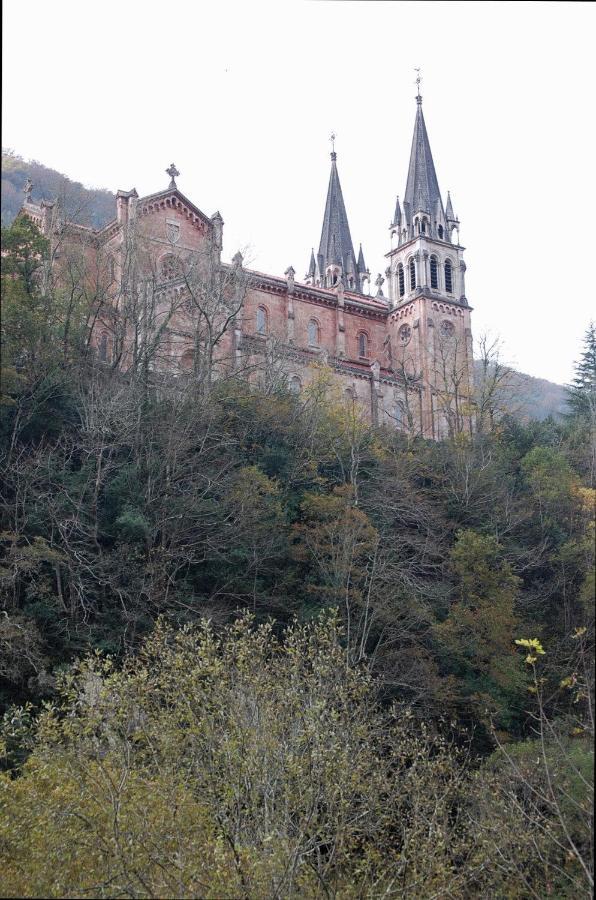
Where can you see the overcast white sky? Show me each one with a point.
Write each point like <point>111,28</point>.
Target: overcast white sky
<point>243,97</point>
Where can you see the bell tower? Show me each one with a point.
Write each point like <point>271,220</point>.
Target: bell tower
<point>429,322</point>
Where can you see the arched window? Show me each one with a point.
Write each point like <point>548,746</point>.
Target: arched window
<point>424,226</point>
<point>399,414</point>
<point>102,348</point>
<point>434,272</point>
<point>313,333</point>
<point>169,267</point>
<point>362,344</point>
<point>412,275</point>
<point>448,277</point>
<point>295,384</point>
<point>404,334</point>
<point>261,320</point>
<point>441,232</point>
<point>401,280</point>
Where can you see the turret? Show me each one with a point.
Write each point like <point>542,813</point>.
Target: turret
<point>421,258</point>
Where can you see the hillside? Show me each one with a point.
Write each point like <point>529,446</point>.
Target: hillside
<point>528,398</point>
<point>252,645</point>
<point>85,205</point>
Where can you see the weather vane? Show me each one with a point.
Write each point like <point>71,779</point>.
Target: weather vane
<point>332,139</point>
<point>418,78</point>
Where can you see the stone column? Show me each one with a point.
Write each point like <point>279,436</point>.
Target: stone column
<point>462,281</point>
<point>340,340</point>
<point>290,273</point>
<point>424,265</point>
<point>375,391</point>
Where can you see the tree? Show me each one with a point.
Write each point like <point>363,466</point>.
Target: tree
<point>478,632</point>
<point>452,385</point>
<point>581,394</point>
<point>240,765</point>
<point>495,385</point>
<point>581,400</point>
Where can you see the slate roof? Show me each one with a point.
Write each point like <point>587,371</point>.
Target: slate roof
<point>336,242</point>
<point>422,186</point>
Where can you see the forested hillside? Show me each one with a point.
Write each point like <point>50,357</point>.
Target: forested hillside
<point>283,652</point>
<point>84,205</point>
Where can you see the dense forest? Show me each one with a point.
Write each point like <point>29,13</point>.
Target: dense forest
<point>253,646</point>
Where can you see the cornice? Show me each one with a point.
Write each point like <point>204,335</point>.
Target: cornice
<point>318,296</point>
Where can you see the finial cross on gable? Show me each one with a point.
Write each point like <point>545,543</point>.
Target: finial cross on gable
<point>173,173</point>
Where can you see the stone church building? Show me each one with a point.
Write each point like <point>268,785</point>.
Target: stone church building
<point>164,298</point>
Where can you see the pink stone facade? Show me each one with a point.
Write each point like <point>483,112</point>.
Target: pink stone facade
<point>162,298</point>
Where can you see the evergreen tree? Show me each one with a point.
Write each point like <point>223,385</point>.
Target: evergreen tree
<point>582,392</point>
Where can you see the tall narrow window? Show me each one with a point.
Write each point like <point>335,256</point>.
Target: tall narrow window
<point>313,333</point>
<point>424,226</point>
<point>441,232</point>
<point>401,280</point>
<point>399,414</point>
<point>362,344</point>
<point>434,272</point>
<point>261,320</point>
<point>448,277</point>
<point>412,275</point>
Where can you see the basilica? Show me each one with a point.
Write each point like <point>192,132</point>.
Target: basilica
<point>399,351</point>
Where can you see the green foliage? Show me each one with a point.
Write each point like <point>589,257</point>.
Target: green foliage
<point>477,635</point>
<point>581,395</point>
<point>124,505</point>
<point>237,764</point>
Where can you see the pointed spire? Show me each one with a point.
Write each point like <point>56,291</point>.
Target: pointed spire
<point>449,208</point>
<point>336,246</point>
<point>422,189</point>
<point>397,213</point>
<point>312,266</point>
<point>361,263</point>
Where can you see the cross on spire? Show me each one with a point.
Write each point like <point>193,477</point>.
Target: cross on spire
<point>332,139</point>
<point>173,173</point>
<point>418,80</point>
